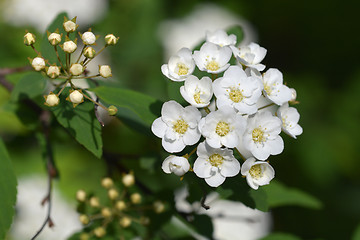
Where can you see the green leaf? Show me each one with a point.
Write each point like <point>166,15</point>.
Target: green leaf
<point>81,123</point>
<point>7,191</point>
<point>47,50</point>
<point>30,86</point>
<point>132,106</point>
<point>281,236</point>
<point>356,235</point>
<point>238,32</point>
<point>280,195</point>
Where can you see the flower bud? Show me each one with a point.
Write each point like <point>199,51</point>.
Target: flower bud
<point>144,220</point>
<point>99,232</point>
<point>70,25</point>
<point>125,222</point>
<point>29,39</point>
<point>80,194</point>
<point>159,207</point>
<point>84,236</point>
<point>54,38</point>
<point>84,219</point>
<point>89,52</point>
<point>88,38</point>
<point>94,202</point>
<point>76,97</point>
<point>112,110</point>
<point>76,69</point>
<point>38,63</point>
<point>293,95</point>
<point>69,46</point>
<point>110,39</point>
<point>135,198</point>
<point>105,71</point>
<point>113,194</point>
<point>120,205</point>
<point>128,180</point>
<point>105,212</point>
<point>51,100</point>
<point>107,183</point>
<point>53,71</point>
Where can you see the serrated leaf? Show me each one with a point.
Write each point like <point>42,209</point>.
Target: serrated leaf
<point>132,105</point>
<point>81,123</point>
<point>281,236</point>
<point>7,191</point>
<point>280,195</point>
<point>30,86</point>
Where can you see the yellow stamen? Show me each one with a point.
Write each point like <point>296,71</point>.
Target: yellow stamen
<point>222,128</point>
<point>256,171</point>
<point>212,66</point>
<point>216,160</point>
<point>180,126</point>
<point>258,135</point>
<point>183,69</point>
<point>236,95</point>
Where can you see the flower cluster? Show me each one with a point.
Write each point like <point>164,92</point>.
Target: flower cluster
<point>70,69</point>
<point>233,108</point>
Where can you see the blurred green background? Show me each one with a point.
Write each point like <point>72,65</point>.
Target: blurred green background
<point>314,43</point>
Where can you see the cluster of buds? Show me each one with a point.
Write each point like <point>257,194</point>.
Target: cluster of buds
<point>72,68</point>
<point>122,207</point>
<point>238,110</point>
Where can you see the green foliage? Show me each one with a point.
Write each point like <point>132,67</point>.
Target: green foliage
<point>7,191</point>
<point>356,235</point>
<point>29,86</point>
<point>281,236</point>
<point>81,123</point>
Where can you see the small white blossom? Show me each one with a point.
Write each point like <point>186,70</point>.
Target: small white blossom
<point>177,126</point>
<point>222,127</point>
<point>274,89</point>
<point>76,69</point>
<point>220,37</point>
<point>257,173</point>
<point>250,55</point>
<point>289,117</point>
<point>38,63</point>
<point>215,164</point>
<point>105,71</point>
<point>177,165</point>
<point>54,38</point>
<point>238,90</point>
<point>197,92</point>
<point>180,66</point>
<point>76,97</point>
<point>212,58</point>
<point>261,137</point>
<point>88,38</point>
<point>69,46</point>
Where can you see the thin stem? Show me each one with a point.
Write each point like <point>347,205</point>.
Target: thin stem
<point>58,57</point>
<point>38,53</point>
<point>269,105</point>
<point>102,49</point>
<point>100,105</point>
<point>86,77</point>
<point>238,152</point>
<point>80,54</point>
<point>192,152</point>
<point>207,110</point>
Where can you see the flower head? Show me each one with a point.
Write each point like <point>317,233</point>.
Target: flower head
<point>197,92</point>
<point>221,38</point>
<point>110,39</point>
<point>54,38</point>
<point>53,71</point>
<point>177,165</point>
<point>51,100</point>
<point>88,38</point>
<point>258,173</point>
<point>69,46</point>
<point>76,69</point>
<point>105,71</point>
<point>289,117</point>
<point>70,25</point>
<point>180,66</point>
<point>274,89</point>
<point>250,55</point>
<point>38,63</point>
<point>29,39</point>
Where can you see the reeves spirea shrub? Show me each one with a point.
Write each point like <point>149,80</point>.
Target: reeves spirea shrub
<point>231,110</point>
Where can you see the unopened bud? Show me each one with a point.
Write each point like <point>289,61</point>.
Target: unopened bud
<point>113,194</point>
<point>159,207</point>
<point>120,205</point>
<point>110,39</point>
<point>76,69</point>
<point>53,71</point>
<point>293,95</point>
<point>144,220</point>
<point>84,219</point>
<point>29,39</point>
<point>107,183</point>
<point>69,46</point>
<point>125,222</point>
<point>51,100</point>
<point>105,71</point>
<point>94,202</point>
<point>70,25</point>
<point>128,180</point>
<point>135,198</point>
<point>38,63</point>
<point>88,38</point>
<point>54,38</point>
<point>76,97</point>
<point>99,232</point>
<point>80,194</point>
<point>105,212</point>
<point>84,236</point>
<point>89,52</point>
<point>112,110</point>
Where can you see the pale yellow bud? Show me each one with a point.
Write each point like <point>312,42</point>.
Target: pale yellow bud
<point>29,39</point>
<point>135,198</point>
<point>128,180</point>
<point>70,26</point>
<point>106,212</point>
<point>51,100</point>
<point>94,202</point>
<point>76,97</point>
<point>76,69</point>
<point>84,219</point>
<point>53,71</point>
<point>38,63</point>
<point>88,38</point>
<point>84,236</point>
<point>89,52</point>
<point>110,39</point>
<point>113,194</point>
<point>125,222</point>
<point>69,46</point>
<point>112,110</point>
<point>99,232</point>
<point>120,205</point>
<point>159,207</point>
<point>54,39</point>
<point>107,183</point>
<point>80,194</point>
<point>105,71</point>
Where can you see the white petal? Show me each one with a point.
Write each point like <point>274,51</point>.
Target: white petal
<point>158,127</point>
<point>165,165</point>
<point>251,182</point>
<point>216,180</point>
<point>173,146</point>
<point>276,145</point>
<point>191,136</point>
<point>202,168</point>
<point>230,168</point>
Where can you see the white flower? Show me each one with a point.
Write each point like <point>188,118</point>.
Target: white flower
<point>88,38</point>
<point>250,55</point>
<point>197,92</point>
<point>222,127</point>
<point>177,126</point>
<point>220,37</point>
<point>257,173</point>
<point>212,58</point>
<point>215,164</point>
<point>261,137</point>
<point>69,46</point>
<point>274,88</point>
<point>177,165</point>
<point>180,66</point>
<point>76,69</point>
<point>105,71</point>
<point>54,38</point>
<point>289,117</point>
<point>238,90</point>
<point>76,97</point>
<point>38,63</point>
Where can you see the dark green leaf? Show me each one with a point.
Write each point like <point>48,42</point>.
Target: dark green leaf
<point>281,236</point>
<point>7,191</point>
<point>238,32</point>
<point>30,86</point>
<point>280,195</point>
<point>81,123</point>
<point>356,235</point>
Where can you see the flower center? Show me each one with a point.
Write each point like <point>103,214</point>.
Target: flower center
<point>197,97</point>
<point>256,171</point>
<point>183,69</point>
<point>236,95</point>
<point>180,126</point>
<point>222,128</point>
<point>216,160</point>
<point>258,135</point>
<point>212,66</point>
<point>267,89</point>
